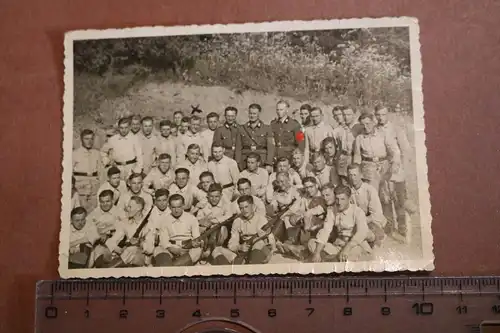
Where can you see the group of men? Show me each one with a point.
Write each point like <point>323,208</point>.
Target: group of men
<point>238,193</point>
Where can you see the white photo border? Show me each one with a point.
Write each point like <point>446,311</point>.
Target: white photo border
<point>426,263</point>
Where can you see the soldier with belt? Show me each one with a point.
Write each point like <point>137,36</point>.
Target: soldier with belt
<point>377,153</point>
<point>83,236</point>
<point>226,134</point>
<point>286,131</point>
<point>255,137</point>
<point>86,164</point>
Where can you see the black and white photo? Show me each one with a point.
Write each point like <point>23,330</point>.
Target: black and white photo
<point>260,148</point>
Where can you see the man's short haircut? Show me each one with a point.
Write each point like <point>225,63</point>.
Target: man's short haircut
<point>366,115</point>
<point>316,109</point>
<point>106,193</point>
<point>245,198</point>
<point>135,117</point>
<point>337,108</point>
<point>86,132</point>
<point>326,141</point>
<point>297,151</point>
<point>138,200</point>
<point>347,107</point>
<point>124,120</point>
<point>316,156</point>
<point>255,156</point>
<point>179,112</point>
<point>231,108</point>
<point>194,146</point>
<point>161,192</point>
<point>341,189</point>
<point>305,107</point>
<point>215,187</point>
<point>165,122</point>
<point>309,180</point>
<point>379,107</point>
<point>354,166</point>
<point>113,171</point>
<point>134,175</point>
<point>242,181</point>
<point>185,119</point>
<point>195,118</point>
<point>181,170</point>
<point>286,174</point>
<point>283,159</point>
<point>217,145</point>
<point>176,197</point>
<point>328,186</point>
<point>255,106</point>
<point>78,211</point>
<point>281,101</point>
<point>147,118</point>
<point>206,174</point>
<point>212,115</point>
<point>164,156</point>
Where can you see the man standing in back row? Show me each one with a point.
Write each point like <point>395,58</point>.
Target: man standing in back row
<point>226,134</point>
<point>286,131</point>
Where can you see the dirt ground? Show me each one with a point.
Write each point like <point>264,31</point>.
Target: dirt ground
<point>160,100</point>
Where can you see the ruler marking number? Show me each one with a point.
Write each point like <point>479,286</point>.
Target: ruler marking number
<point>423,308</point>
<point>385,311</point>
<point>235,313</point>
<point>51,312</point>
<point>86,313</point>
<point>496,308</point>
<point>160,314</point>
<point>197,313</point>
<point>271,313</point>
<point>348,311</point>
<point>310,311</point>
<point>461,309</point>
<point>123,314</point>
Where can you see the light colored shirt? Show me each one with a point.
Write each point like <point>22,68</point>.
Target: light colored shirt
<point>126,148</point>
<point>314,134</point>
<point>260,208</point>
<point>351,225</point>
<point>157,221</point>
<point>125,199</point>
<point>295,180</point>
<point>117,192</point>
<point>185,140</point>
<point>225,170</point>
<point>88,234</point>
<point>126,229</point>
<point>376,145</point>
<point>398,134</point>
<point>190,193</point>
<point>366,197</point>
<point>327,175</point>
<point>167,146</point>
<point>280,199</point>
<point>218,213</point>
<point>244,229</point>
<point>259,179</point>
<point>304,169</point>
<point>86,160</point>
<point>195,169</point>
<point>157,179</point>
<point>179,229</point>
<point>106,221</point>
<point>208,138</point>
<point>148,147</point>
<point>75,200</point>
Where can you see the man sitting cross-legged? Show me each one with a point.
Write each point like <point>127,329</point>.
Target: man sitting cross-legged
<point>251,241</point>
<point>177,228</point>
<point>345,233</point>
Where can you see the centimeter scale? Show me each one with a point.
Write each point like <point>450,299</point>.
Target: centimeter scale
<point>270,304</point>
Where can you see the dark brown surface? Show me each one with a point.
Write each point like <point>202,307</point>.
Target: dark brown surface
<point>460,49</point>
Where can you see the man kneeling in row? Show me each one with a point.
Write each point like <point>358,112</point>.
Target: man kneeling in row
<point>178,228</point>
<point>251,240</point>
<point>345,233</point>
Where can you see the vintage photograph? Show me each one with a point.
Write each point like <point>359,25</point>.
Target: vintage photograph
<point>259,148</point>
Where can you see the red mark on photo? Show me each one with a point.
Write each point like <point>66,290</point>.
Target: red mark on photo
<point>299,136</point>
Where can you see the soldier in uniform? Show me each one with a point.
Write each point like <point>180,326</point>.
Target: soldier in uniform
<point>329,151</point>
<point>316,132</point>
<point>179,226</point>
<point>287,132</point>
<point>184,126</point>
<point>226,134</point>
<point>177,118</point>
<point>161,176</point>
<point>257,175</point>
<point>377,153</point>
<point>86,164</point>
<point>83,236</point>
<point>157,220</point>
<point>194,163</point>
<point>148,141</point>
<point>192,136</point>
<point>114,183</point>
<point>323,173</point>
<point>283,165</point>
<point>350,121</point>
<point>255,137</point>
<point>243,246</point>
<point>208,134</point>
<point>300,164</point>
<point>135,189</point>
<point>206,179</point>
<point>225,171</point>
<point>245,188</point>
<point>125,150</point>
<point>194,199</point>
<point>167,142</point>
<point>305,115</point>
<point>351,229</point>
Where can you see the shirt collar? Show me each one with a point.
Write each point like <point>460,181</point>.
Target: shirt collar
<point>229,126</point>
<point>284,120</point>
<point>257,125</point>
